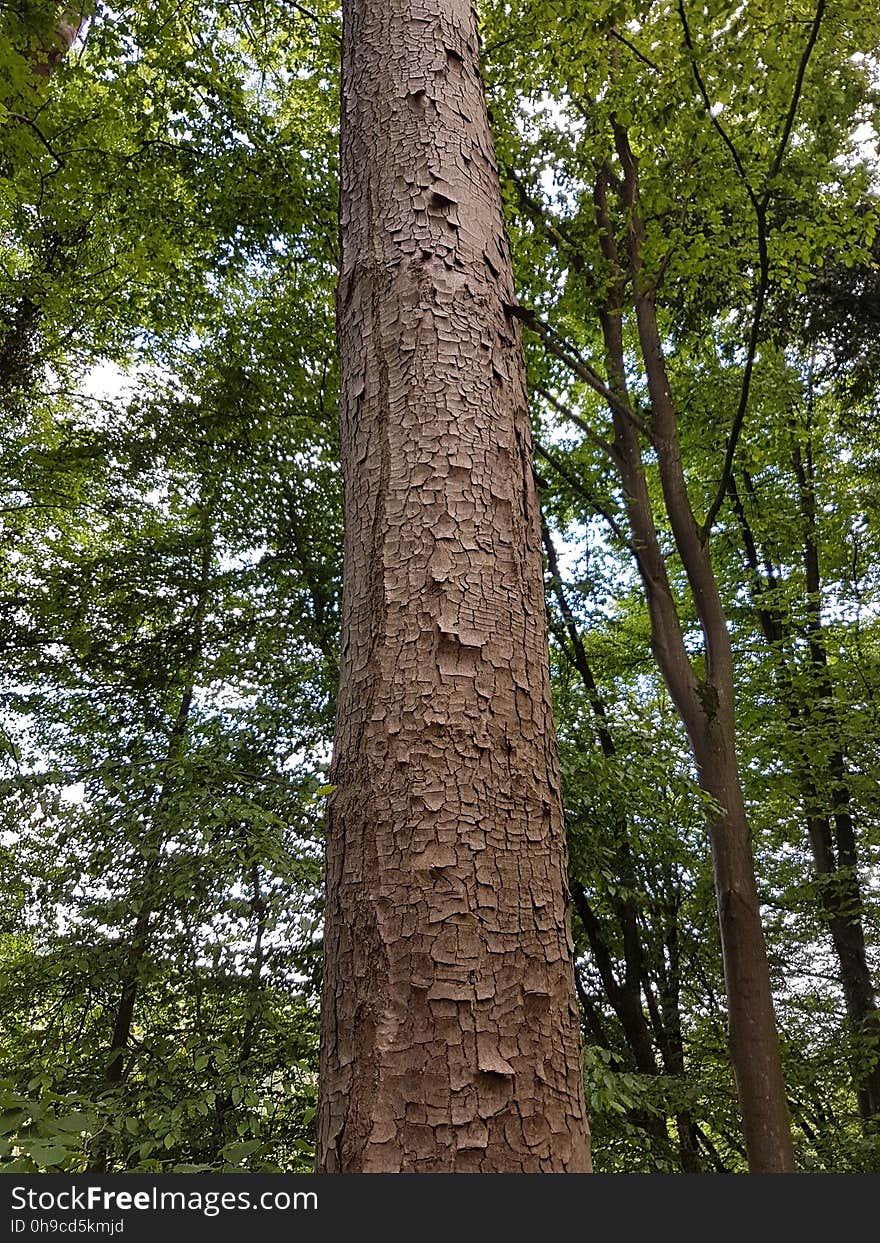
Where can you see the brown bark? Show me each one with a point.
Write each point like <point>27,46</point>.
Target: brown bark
<point>705,704</point>
<point>450,1034</point>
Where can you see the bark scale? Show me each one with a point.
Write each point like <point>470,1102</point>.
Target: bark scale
<point>450,1033</point>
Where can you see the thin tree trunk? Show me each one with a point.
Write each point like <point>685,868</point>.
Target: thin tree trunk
<point>706,704</point>
<point>450,1033</point>
<point>845,895</point>
<point>833,848</point>
<point>624,997</point>
<point>139,944</point>
<point>152,845</point>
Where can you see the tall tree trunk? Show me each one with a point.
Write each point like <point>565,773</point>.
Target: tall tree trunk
<point>450,1037</point>
<point>624,995</point>
<point>844,895</point>
<point>144,899</point>
<point>705,703</point>
<point>153,841</point>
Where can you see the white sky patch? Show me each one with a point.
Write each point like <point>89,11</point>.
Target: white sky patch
<point>864,137</point>
<point>107,381</point>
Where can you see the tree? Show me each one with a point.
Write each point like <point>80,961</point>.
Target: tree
<point>168,611</point>
<point>643,207</point>
<point>449,1026</point>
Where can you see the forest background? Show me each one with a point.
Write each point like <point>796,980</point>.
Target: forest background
<point>170,568</point>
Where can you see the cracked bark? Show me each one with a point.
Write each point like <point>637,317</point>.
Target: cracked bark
<point>450,1032</point>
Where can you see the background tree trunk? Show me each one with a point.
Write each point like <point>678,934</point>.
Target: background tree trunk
<point>450,1035</point>
<point>704,702</point>
<point>820,768</point>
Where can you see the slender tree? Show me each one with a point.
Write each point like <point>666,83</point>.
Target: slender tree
<point>449,1028</point>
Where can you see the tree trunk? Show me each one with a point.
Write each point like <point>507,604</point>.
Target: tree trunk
<point>450,1037</point>
<point>754,1045</point>
<point>704,703</point>
<point>843,896</point>
<point>824,784</point>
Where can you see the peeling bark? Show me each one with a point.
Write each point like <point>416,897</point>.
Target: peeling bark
<point>450,1033</point>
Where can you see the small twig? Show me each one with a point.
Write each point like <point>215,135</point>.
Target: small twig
<point>584,493</point>
<point>567,354</point>
<point>567,413</point>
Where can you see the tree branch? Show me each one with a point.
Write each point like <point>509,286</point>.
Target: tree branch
<point>566,353</point>
<point>578,654</point>
<point>719,128</point>
<point>796,95</point>
<point>315,17</point>
<point>745,388</point>
<point>760,206</point>
<point>585,494</point>
<point>567,413</point>
<point>555,230</point>
<point>639,55</point>
<point>31,124</point>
